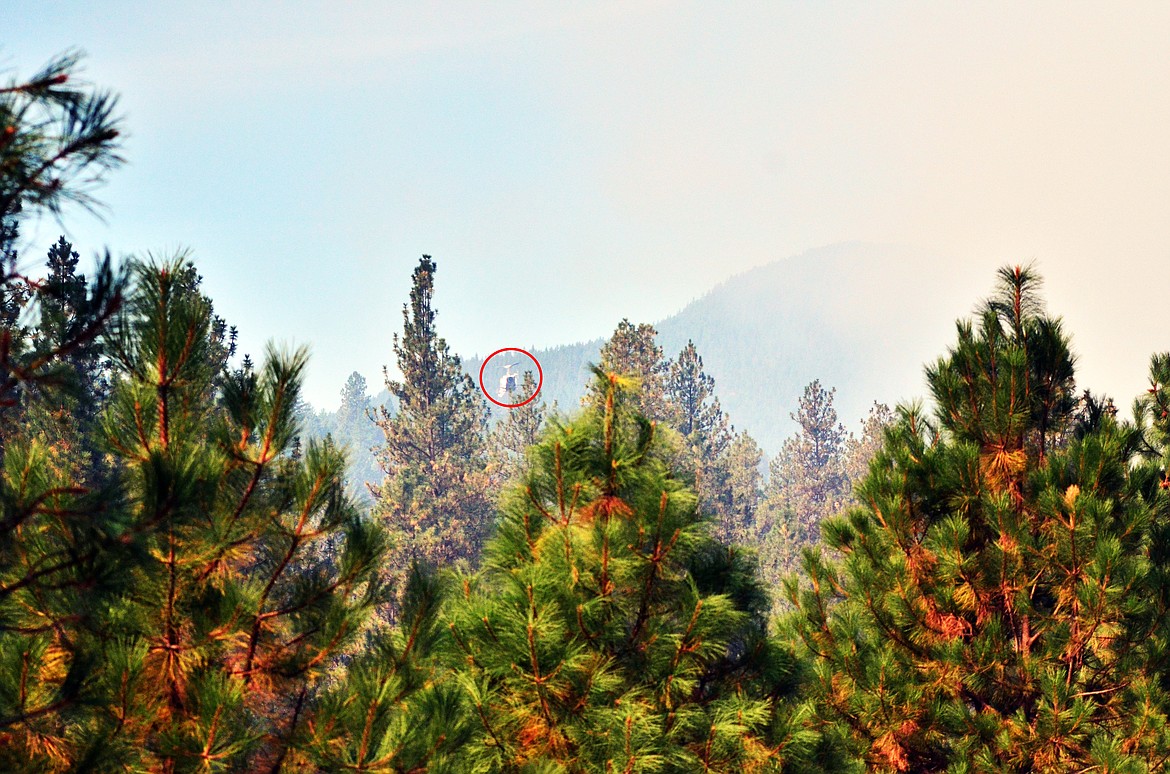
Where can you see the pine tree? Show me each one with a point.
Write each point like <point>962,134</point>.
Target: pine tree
<point>992,607</point>
<point>355,403</point>
<point>58,568</point>
<point>608,630</point>
<point>1150,479</point>
<point>860,450</point>
<point>698,417</point>
<point>68,396</point>
<point>399,707</point>
<point>692,391</point>
<point>744,490</point>
<point>518,431</point>
<point>178,619</point>
<point>434,498</point>
<point>633,351</point>
<point>167,615</point>
<point>818,447</point>
<point>806,484</point>
<point>58,139</point>
<point>355,428</point>
<point>239,618</point>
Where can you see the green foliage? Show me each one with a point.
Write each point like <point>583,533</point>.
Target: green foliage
<point>991,609</point>
<point>698,417</point>
<point>811,479</point>
<point>354,428</point>
<point>743,492</point>
<point>395,709</point>
<point>1150,477</point>
<point>681,395</point>
<point>608,629</point>
<point>860,449</point>
<point>59,550</point>
<point>179,618</point>
<point>58,354</point>
<point>434,498</point>
<point>805,484</point>
<point>633,352</point>
<point>692,391</point>
<point>58,138</point>
<point>59,400</point>
<point>184,586</point>
<point>518,431</point>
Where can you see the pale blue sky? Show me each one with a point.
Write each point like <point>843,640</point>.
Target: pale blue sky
<point>585,162</point>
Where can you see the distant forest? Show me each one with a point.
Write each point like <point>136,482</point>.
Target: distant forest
<point>199,572</point>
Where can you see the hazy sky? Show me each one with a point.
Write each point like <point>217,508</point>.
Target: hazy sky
<point>569,164</point>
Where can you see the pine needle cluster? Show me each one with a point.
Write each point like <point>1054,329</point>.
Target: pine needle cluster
<point>184,586</point>
<point>608,630</point>
<point>179,617</point>
<point>997,603</point>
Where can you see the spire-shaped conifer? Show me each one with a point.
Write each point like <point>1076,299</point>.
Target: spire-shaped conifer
<point>633,351</point>
<point>434,498</point>
<point>518,430</point>
<point>987,611</point>
<point>608,629</point>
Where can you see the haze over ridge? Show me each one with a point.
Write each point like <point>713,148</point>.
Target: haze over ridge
<point>618,159</point>
<point>864,318</point>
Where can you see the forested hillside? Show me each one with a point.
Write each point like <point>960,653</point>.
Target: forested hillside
<point>190,582</point>
<point>829,314</point>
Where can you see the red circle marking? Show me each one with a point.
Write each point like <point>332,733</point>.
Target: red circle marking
<point>539,383</point>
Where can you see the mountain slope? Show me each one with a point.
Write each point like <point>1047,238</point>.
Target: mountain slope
<point>862,318</point>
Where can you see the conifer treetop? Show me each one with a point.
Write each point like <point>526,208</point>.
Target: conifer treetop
<point>439,409</point>
<point>993,605</point>
<point>58,139</point>
<point>608,626</point>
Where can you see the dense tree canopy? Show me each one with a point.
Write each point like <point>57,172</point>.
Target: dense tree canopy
<point>992,607</point>
<point>179,613</point>
<point>811,479</point>
<point>434,498</point>
<point>608,629</point>
<point>518,430</point>
<point>185,585</point>
<point>634,352</point>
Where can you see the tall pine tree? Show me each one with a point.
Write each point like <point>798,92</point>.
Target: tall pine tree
<point>806,484</point>
<point>860,449</point>
<point>434,497</point>
<point>59,572</point>
<point>168,615</point>
<point>518,431</point>
<point>355,428</point>
<point>743,492</point>
<point>992,606</point>
<point>180,618</point>
<point>608,630</point>
<point>699,418</point>
<point>633,351</point>
<point>68,397</point>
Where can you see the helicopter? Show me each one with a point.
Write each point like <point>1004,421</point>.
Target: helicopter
<point>507,382</point>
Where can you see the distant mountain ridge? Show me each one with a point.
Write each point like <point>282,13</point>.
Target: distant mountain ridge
<point>863,318</point>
